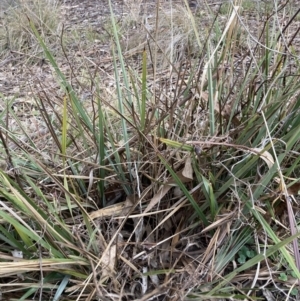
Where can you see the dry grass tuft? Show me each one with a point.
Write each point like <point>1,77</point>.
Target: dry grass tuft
<point>15,35</point>
<point>153,160</point>
<point>168,30</point>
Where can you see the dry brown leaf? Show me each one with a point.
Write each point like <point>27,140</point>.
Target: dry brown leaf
<point>108,263</point>
<point>129,202</point>
<point>164,190</point>
<point>266,156</point>
<point>176,237</point>
<point>114,210</point>
<point>294,189</point>
<point>157,197</point>
<point>131,265</point>
<point>219,222</point>
<point>188,169</point>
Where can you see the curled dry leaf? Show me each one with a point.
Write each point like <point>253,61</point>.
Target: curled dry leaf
<point>220,221</point>
<point>129,202</point>
<point>188,169</point>
<point>108,263</point>
<point>166,187</point>
<point>266,156</point>
<point>294,189</point>
<point>111,211</point>
<point>158,196</point>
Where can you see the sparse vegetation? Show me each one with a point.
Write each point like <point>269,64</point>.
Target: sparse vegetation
<point>14,32</point>
<point>149,152</point>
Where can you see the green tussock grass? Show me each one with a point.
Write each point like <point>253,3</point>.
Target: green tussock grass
<point>157,159</point>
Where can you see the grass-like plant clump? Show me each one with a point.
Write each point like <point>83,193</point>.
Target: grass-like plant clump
<point>157,161</point>
<point>15,35</point>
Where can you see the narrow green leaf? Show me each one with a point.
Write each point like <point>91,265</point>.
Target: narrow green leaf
<point>253,261</point>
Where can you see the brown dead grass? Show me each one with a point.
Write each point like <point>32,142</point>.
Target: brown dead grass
<point>153,233</point>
